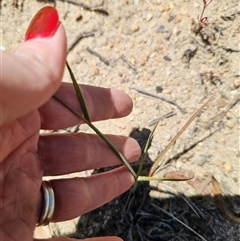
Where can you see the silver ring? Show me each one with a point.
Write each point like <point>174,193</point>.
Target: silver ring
<point>48,204</point>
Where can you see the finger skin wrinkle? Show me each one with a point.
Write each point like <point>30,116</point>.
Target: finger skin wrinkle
<point>10,223</point>
<point>9,231</point>
<point>22,173</point>
<point>15,133</point>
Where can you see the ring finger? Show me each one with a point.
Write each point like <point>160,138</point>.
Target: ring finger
<point>79,195</point>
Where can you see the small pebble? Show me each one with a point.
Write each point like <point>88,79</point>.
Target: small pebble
<point>83,127</point>
<point>230,123</point>
<point>120,74</point>
<point>228,167</point>
<point>236,83</point>
<point>149,17</point>
<point>178,164</point>
<point>133,61</point>
<point>176,30</point>
<point>73,129</point>
<point>95,71</point>
<point>178,19</point>
<point>134,28</point>
<point>159,89</point>
<point>165,57</point>
<point>164,9</point>
<point>144,60</point>
<point>161,29</point>
<point>229,115</point>
<point>157,14</point>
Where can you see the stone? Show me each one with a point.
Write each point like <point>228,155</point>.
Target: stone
<point>228,168</point>
<point>134,28</point>
<point>149,17</point>
<point>236,83</point>
<point>230,123</point>
<point>95,71</point>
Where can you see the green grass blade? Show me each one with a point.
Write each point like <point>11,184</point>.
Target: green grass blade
<point>78,93</point>
<point>143,157</point>
<point>110,144</point>
<point>113,147</point>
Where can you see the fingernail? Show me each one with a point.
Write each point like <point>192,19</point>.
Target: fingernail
<point>44,24</point>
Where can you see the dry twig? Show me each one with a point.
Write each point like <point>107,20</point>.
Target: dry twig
<point>224,111</point>
<point>88,8</point>
<point>105,61</point>
<point>78,38</point>
<point>185,150</point>
<point>128,62</point>
<point>161,97</point>
<point>154,121</point>
<point>159,158</point>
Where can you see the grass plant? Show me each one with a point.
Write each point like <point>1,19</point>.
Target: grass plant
<point>138,176</point>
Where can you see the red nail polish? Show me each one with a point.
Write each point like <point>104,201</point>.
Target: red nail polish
<point>44,24</point>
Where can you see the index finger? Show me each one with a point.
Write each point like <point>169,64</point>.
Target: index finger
<point>102,104</point>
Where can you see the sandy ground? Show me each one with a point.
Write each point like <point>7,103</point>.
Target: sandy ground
<point>155,46</point>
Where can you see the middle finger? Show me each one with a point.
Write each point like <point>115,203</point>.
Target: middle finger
<point>63,154</point>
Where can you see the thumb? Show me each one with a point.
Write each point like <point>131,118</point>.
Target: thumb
<point>32,74</point>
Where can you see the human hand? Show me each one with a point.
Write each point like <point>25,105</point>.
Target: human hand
<point>30,76</point>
